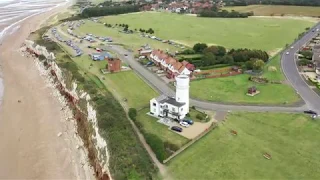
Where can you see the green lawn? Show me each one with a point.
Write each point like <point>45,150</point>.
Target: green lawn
<point>126,84</point>
<point>150,125</point>
<point>274,75</point>
<point>277,10</point>
<point>233,89</point>
<point>256,33</point>
<point>291,140</point>
<point>131,87</point>
<point>132,41</point>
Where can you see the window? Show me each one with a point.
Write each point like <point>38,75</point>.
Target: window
<point>154,110</point>
<point>173,109</point>
<point>160,106</point>
<point>161,112</point>
<point>154,104</point>
<point>181,109</point>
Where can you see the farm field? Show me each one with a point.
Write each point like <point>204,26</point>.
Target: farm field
<point>233,89</point>
<point>277,10</point>
<point>290,139</point>
<point>267,34</point>
<point>132,41</point>
<point>150,125</point>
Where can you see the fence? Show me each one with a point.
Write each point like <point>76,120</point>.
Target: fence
<point>212,126</point>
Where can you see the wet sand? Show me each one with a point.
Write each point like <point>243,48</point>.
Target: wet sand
<point>31,119</point>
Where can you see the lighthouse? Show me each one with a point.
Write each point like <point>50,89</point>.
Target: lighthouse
<point>182,91</point>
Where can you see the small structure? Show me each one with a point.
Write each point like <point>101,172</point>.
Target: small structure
<point>114,65</point>
<point>145,52</point>
<point>100,56</point>
<point>267,156</point>
<point>173,107</point>
<point>252,91</point>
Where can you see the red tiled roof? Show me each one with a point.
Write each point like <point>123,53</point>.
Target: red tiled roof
<point>177,65</point>
<point>181,69</point>
<point>185,62</point>
<point>190,67</point>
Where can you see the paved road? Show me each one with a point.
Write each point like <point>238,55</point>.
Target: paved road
<point>289,67</point>
<point>163,88</point>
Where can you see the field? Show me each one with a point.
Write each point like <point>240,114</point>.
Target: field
<point>150,125</point>
<point>233,89</point>
<point>132,41</point>
<point>257,33</point>
<point>290,139</point>
<point>267,10</point>
<point>127,85</point>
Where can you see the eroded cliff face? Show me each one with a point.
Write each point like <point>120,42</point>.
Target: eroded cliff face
<point>78,101</point>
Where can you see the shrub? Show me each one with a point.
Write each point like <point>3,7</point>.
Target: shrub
<point>193,107</point>
<point>200,116</point>
<point>132,113</point>
<point>157,146</point>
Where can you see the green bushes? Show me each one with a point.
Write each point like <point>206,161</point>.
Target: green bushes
<point>156,145</point>
<point>132,113</point>
<point>201,116</point>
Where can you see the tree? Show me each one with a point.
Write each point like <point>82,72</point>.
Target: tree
<point>208,59</point>
<point>199,47</point>
<point>258,64</point>
<point>227,59</point>
<point>307,54</point>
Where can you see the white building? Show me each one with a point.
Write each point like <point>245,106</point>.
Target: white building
<point>173,107</point>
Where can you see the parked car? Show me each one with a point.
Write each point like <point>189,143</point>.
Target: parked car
<point>184,124</point>
<point>291,47</point>
<point>176,128</point>
<point>310,112</point>
<point>287,53</point>
<point>125,54</point>
<point>189,121</point>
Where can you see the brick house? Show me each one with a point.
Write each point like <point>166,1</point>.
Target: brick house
<point>114,65</point>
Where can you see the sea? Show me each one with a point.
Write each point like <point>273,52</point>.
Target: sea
<point>13,12</point>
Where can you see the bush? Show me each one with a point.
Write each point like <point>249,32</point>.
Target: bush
<point>132,113</point>
<point>200,116</point>
<point>157,146</point>
<point>193,107</point>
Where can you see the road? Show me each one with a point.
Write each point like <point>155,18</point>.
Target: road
<point>163,88</point>
<point>311,99</point>
<point>289,67</point>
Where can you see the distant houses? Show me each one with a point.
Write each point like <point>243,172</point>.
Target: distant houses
<point>316,59</point>
<point>171,65</point>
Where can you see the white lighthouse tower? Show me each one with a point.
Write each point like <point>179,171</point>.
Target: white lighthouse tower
<point>182,91</point>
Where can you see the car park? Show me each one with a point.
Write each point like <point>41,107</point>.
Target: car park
<point>176,128</point>
<point>184,124</point>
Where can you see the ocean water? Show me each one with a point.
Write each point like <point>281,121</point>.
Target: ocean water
<point>13,12</point>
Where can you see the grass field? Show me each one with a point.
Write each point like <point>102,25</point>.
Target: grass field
<point>256,33</point>
<point>291,140</point>
<point>150,125</point>
<point>132,41</point>
<point>277,10</point>
<point>126,84</point>
<point>233,89</point>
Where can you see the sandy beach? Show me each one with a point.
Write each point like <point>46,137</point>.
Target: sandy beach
<point>31,119</point>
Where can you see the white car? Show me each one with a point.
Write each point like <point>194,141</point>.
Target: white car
<point>291,47</point>
<point>184,124</point>
<point>287,53</point>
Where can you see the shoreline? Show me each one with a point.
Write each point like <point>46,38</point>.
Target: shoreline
<point>37,142</point>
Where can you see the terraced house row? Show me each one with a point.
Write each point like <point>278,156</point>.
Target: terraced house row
<point>171,65</point>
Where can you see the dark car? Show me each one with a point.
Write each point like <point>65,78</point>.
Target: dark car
<point>310,112</point>
<point>176,128</point>
<point>125,54</point>
<point>189,121</point>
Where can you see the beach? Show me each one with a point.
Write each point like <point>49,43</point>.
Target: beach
<point>36,140</point>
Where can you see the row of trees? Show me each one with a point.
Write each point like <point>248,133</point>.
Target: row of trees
<point>215,56</point>
<point>108,10</point>
<point>273,2</point>
<point>224,14</point>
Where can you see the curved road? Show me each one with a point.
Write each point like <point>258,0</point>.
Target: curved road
<point>289,68</point>
<point>288,65</point>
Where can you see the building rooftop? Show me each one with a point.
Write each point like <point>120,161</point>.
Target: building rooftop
<point>165,99</point>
